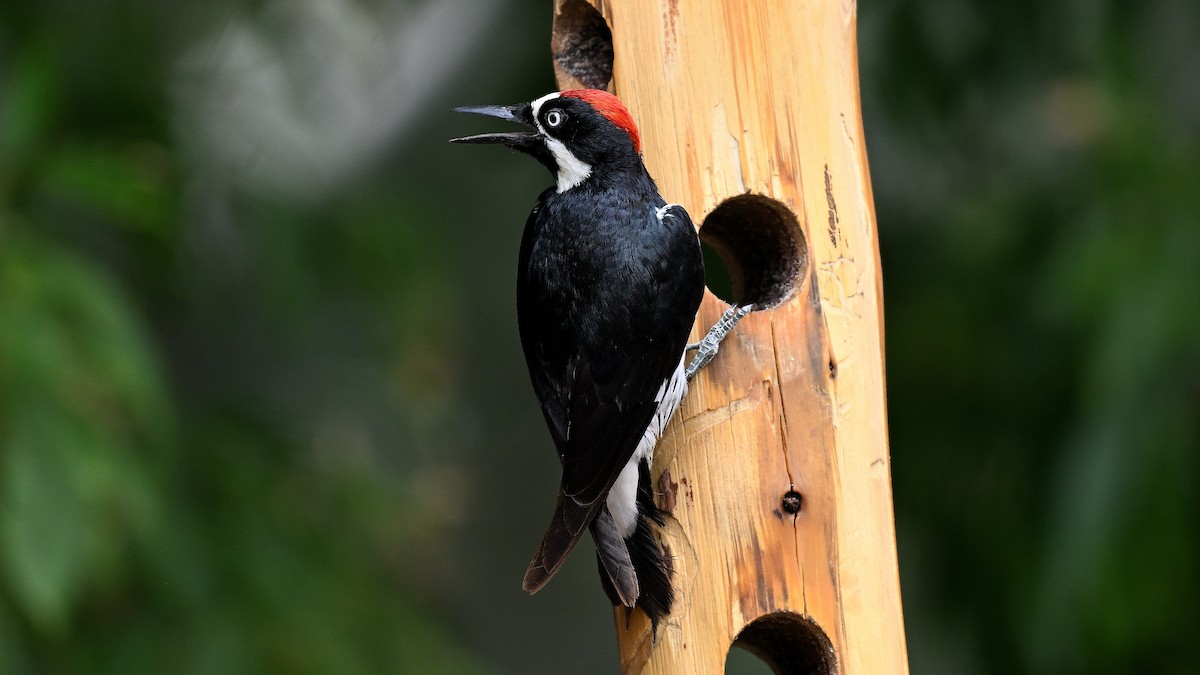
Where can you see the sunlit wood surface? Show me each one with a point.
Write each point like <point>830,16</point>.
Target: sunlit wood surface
<point>761,97</point>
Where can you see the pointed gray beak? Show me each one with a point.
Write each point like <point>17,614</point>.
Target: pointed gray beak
<point>522,113</point>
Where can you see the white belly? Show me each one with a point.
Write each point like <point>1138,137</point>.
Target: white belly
<point>622,498</point>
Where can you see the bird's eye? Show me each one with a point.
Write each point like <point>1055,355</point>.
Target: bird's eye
<point>555,118</point>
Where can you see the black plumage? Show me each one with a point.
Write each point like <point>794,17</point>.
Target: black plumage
<point>609,282</point>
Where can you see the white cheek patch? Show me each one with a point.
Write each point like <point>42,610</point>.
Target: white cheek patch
<point>571,170</point>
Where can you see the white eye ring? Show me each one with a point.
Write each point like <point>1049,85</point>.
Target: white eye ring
<point>555,118</point>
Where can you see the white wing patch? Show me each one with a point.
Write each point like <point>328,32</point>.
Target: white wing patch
<point>622,499</point>
<point>662,213</point>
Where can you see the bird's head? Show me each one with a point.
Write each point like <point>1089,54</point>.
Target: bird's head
<point>576,133</point>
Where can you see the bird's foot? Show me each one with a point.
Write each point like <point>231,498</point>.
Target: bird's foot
<point>708,345</point>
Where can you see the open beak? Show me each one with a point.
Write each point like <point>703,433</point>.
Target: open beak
<point>522,113</point>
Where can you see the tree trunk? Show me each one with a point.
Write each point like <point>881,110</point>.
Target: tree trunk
<point>774,475</point>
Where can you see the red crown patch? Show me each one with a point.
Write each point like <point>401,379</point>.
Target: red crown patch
<point>612,109</point>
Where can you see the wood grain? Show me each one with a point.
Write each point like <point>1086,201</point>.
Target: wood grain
<point>761,97</point>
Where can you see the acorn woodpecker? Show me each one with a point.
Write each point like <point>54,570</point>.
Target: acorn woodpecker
<point>609,282</point>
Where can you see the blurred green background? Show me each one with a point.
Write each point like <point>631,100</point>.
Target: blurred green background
<point>263,410</point>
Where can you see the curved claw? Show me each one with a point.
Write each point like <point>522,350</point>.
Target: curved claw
<point>710,344</point>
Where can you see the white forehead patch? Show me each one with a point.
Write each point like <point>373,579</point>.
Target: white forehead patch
<point>571,170</point>
<point>537,105</point>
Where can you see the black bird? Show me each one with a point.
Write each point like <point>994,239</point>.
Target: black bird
<point>609,282</point>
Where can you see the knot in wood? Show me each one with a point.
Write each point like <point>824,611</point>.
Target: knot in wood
<point>792,502</point>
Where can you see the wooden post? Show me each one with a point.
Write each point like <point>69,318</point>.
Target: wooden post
<point>749,113</point>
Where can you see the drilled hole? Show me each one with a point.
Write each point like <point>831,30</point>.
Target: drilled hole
<point>792,502</point>
<point>741,662</point>
<point>581,44</point>
<point>716,273</point>
<point>762,249</point>
<point>788,644</point>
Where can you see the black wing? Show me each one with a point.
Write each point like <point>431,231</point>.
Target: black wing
<point>604,310</point>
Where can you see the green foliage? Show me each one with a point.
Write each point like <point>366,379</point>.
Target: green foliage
<point>1043,339</point>
<point>81,394</point>
<point>196,466</point>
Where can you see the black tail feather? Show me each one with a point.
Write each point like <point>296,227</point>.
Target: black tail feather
<point>645,496</point>
<point>617,573</point>
<point>570,521</point>
<point>654,570</point>
<point>633,570</point>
